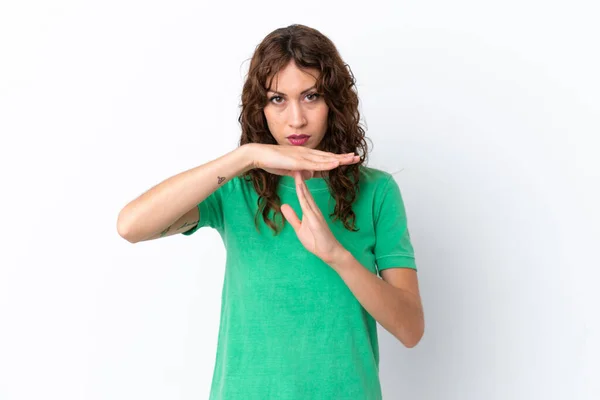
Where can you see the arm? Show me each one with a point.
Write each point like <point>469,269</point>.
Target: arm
<point>171,206</point>
<point>393,301</point>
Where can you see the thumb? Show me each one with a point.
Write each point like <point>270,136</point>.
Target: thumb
<point>290,215</point>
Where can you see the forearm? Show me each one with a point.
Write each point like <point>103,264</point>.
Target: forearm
<point>398,311</point>
<point>166,202</point>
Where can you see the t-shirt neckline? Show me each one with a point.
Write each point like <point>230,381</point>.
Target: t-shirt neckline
<point>313,184</point>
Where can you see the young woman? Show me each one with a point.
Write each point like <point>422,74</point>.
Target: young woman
<point>308,230</point>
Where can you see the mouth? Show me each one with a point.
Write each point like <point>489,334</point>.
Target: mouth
<point>298,140</point>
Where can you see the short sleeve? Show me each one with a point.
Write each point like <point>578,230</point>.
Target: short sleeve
<point>211,209</point>
<point>393,247</point>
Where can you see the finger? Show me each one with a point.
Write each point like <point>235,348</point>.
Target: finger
<point>328,156</point>
<point>311,201</point>
<point>321,159</point>
<point>291,216</point>
<point>306,209</point>
<point>316,165</point>
<point>351,160</point>
<point>347,158</point>
<point>279,171</point>
<point>307,174</point>
<point>323,152</point>
<point>319,166</point>
<point>325,156</point>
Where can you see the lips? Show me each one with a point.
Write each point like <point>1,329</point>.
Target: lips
<point>297,136</point>
<point>298,140</point>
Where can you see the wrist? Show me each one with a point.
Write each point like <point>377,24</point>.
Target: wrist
<point>340,258</point>
<point>247,152</point>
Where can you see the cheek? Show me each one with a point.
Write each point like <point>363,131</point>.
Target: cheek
<point>273,119</point>
<point>323,113</point>
<point>272,114</point>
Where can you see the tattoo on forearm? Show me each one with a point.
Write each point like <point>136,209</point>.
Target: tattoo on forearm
<point>221,179</point>
<point>185,224</point>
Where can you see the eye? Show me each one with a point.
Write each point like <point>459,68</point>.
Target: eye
<point>313,96</point>
<point>273,98</point>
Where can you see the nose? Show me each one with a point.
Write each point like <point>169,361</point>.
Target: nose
<point>296,115</point>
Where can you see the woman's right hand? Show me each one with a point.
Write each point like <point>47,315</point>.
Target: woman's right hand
<point>282,160</point>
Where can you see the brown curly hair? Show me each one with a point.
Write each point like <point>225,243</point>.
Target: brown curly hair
<point>308,48</point>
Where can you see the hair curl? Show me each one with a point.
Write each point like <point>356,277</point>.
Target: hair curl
<point>308,48</point>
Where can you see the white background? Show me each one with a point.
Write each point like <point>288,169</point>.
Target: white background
<point>486,112</point>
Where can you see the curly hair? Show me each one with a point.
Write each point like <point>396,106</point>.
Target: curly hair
<point>308,48</point>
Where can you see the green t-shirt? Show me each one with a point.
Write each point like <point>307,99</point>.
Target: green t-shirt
<point>290,328</point>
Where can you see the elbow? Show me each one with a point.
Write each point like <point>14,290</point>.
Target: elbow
<point>412,342</point>
<point>123,229</point>
<point>413,337</point>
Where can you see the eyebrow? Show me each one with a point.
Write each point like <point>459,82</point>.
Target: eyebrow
<point>304,91</point>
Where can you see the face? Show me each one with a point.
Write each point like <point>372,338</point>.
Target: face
<point>295,108</point>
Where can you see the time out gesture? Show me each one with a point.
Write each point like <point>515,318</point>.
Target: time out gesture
<point>301,163</point>
<point>313,231</point>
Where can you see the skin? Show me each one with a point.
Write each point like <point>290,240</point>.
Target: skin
<point>394,301</point>
<point>292,109</point>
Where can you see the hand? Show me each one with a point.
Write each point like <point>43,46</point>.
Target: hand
<point>283,160</point>
<point>313,231</point>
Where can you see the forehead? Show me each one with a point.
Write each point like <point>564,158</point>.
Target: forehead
<point>292,79</point>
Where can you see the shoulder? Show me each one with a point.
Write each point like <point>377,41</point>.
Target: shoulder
<point>373,178</point>
<point>382,189</point>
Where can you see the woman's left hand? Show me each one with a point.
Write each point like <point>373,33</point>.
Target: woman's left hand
<point>313,231</point>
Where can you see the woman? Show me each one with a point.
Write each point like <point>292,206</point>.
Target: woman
<point>307,229</point>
